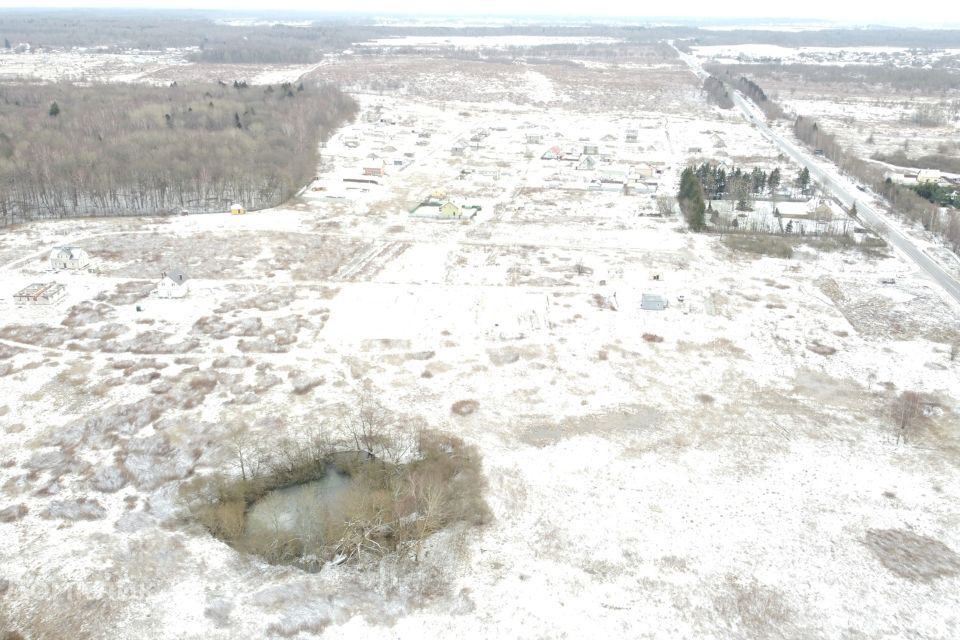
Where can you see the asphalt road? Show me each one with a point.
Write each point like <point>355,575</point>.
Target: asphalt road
<point>827,176</point>
<point>848,194</point>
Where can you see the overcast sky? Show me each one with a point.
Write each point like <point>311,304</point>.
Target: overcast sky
<point>877,11</point>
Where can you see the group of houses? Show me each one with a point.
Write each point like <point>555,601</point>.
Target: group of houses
<point>923,176</point>
<point>602,173</point>
<point>172,284</point>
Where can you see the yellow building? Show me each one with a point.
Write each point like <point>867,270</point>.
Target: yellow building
<point>450,210</point>
<point>237,209</point>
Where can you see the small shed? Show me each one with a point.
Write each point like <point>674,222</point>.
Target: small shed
<point>173,284</point>
<point>534,138</point>
<point>458,149</point>
<point>632,135</point>
<point>40,293</point>
<point>591,150</point>
<point>653,302</point>
<point>69,258</point>
<point>237,209</point>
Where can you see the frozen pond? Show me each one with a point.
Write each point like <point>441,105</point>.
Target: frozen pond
<point>300,510</point>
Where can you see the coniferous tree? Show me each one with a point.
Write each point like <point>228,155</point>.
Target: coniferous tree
<point>773,181</point>
<point>54,109</point>
<point>690,197</point>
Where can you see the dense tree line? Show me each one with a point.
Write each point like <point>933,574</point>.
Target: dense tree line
<point>68,150</point>
<point>741,186</point>
<point>858,77</point>
<point>936,194</point>
<point>152,29</point>
<point>903,200</point>
<point>717,92</point>
<point>722,76</point>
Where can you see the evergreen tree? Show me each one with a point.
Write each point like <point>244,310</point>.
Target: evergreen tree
<point>690,198</point>
<point>6,43</point>
<point>54,109</point>
<point>773,181</point>
<point>803,180</point>
<point>236,121</point>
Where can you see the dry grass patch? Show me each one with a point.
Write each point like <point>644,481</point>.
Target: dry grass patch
<point>464,407</point>
<point>754,610</point>
<point>127,292</point>
<point>912,556</point>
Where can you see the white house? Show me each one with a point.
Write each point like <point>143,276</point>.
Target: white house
<point>173,284</point>
<point>69,258</point>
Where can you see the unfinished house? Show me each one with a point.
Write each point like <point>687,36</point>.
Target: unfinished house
<point>40,293</point>
<point>69,258</point>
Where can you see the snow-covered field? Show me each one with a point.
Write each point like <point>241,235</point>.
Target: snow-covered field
<point>144,67</point>
<point>727,467</point>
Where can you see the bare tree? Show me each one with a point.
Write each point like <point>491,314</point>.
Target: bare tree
<point>665,205</point>
<point>905,412</point>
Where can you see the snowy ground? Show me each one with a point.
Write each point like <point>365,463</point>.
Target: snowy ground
<point>725,468</point>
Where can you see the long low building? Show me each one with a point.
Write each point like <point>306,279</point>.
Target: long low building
<point>40,293</point>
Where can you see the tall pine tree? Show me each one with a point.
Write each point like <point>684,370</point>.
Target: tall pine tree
<point>690,197</point>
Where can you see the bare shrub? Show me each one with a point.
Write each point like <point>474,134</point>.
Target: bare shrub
<point>464,407</point>
<point>905,412</point>
<point>506,355</point>
<point>954,351</point>
<point>912,556</point>
<point>13,513</point>
<point>650,337</point>
<point>293,623</point>
<point>109,479</point>
<point>78,509</point>
<point>39,335</point>
<point>151,342</point>
<point>821,349</point>
<point>151,462</point>
<point>218,610</point>
<point>705,398</point>
<point>128,292</point>
<point>231,362</point>
<point>303,383</point>
<point>66,615</point>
